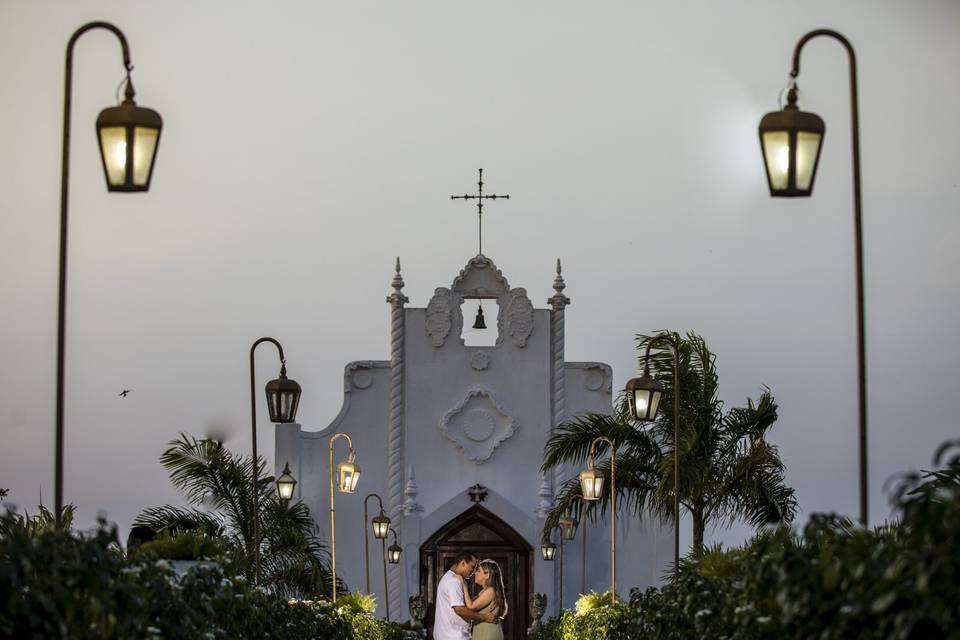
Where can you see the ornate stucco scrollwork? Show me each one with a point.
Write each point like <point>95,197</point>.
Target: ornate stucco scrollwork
<point>478,424</point>
<point>516,317</point>
<point>440,316</point>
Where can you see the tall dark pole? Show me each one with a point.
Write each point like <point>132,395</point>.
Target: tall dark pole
<point>858,247</point>
<point>383,550</point>
<point>255,534</point>
<point>675,344</point>
<point>64,193</point>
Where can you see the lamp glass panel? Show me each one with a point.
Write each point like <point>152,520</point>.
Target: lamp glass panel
<point>776,153</point>
<point>654,403</point>
<point>380,528</point>
<point>591,484</point>
<point>808,144</point>
<point>285,485</point>
<point>393,554</point>
<point>641,403</point>
<point>144,146</point>
<point>113,146</point>
<point>547,551</point>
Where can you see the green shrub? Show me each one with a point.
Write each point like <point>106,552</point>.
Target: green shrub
<point>188,545</point>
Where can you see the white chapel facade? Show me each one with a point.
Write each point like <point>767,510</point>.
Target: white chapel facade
<point>439,418</point>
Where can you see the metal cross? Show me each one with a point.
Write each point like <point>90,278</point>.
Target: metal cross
<point>477,493</point>
<point>479,197</point>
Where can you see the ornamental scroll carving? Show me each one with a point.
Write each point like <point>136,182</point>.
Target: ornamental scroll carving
<point>478,424</point>
<point>439,316</point>
<point>516,317</point>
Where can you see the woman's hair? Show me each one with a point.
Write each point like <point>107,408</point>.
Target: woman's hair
<point>496,581</point>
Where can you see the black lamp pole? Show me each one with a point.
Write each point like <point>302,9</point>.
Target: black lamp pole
<point>857,241</point>
<point>121,175</point>
<point>274,405</point>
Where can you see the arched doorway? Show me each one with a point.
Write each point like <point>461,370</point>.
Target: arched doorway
<point>482,532</point>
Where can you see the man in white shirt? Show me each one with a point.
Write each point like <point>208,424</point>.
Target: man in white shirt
<point>452,618</point>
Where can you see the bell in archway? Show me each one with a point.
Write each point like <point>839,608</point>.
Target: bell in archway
<point>479,323</point>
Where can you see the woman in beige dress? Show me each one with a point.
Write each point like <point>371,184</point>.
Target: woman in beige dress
<point>492,598</point>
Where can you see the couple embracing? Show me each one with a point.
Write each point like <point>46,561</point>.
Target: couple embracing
<point>456,610</point>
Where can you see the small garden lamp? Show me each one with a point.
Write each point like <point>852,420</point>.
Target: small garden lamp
<point>591,486</point>
<point>381,527</point>
<point>568,528</point>
<point>394,551</point>
<point>548,550</point>
<point>286,483</point>
<point>348,474</point>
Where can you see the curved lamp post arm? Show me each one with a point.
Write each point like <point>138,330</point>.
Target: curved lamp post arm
<point>675,345</point>
<point>858,244</point>
<point>255,473</point>
<point>64,198</point>
<point>333,517</point>
<point>613,511</point>
<point>366,548</point>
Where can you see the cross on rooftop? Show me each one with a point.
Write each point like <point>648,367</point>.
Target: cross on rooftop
<point>479,197</point>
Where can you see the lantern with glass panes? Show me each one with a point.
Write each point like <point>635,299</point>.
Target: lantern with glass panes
<point>568,527</point>
<point>643,396</point>
<point>349,474</point>
<point>129,136</point>
<point>286,483</point>
<point>548,550</point>
<point>394,550</point>
<point>283,398</point>
<point>791,141</point>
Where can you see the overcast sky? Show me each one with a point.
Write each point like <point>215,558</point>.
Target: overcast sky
<point>307,144</point>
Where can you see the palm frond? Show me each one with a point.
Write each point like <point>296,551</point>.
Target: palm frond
<point>178,520</point>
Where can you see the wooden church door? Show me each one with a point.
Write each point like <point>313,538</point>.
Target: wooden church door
<point>482,532</point>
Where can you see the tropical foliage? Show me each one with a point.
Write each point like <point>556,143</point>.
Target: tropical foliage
<point>217,486</point>
<point>62,584</point>
<point>728,469</point>
<point>832,580</point>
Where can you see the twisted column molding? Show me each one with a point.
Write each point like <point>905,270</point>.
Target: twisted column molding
<point>558,303</point>
<point>395,438</point>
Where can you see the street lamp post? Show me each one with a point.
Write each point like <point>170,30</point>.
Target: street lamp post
<point>347,477</point>
<point>643,398</point>
<point>283,398</point>
<point>381,526</point>
<point>128,136</point>
<point>791,140</point>
<point>591,486</point>
<point>568,530</point>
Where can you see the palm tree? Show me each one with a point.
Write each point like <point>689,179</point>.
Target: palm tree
<point>216,485</point>
<point>728,470</point>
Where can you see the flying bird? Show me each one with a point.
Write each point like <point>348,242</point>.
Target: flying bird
<point>123,394</point>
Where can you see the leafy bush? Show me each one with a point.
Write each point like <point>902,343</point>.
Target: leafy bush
<point>833,580</point>
<point>188,545</point>
<point>59,584</point>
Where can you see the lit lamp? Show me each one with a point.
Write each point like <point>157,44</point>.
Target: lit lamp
<point>568,528</point>
<point>286,484</point>
<point>548,550</point>
<point>349,475</point>
<point>283,397</point>
<point>381,527</point>
<point>128,137</point>
<point>394,551</point>
<point>643,396</point>
<point>591,486</point>
<point>791,141</point>
<point>643,400</point>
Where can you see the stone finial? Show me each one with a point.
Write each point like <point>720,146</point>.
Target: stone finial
<point>558,301</point>
<point>397,298</point>
<point>410,505</point>
<point>545,495</point>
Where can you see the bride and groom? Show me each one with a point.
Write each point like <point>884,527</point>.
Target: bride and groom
<point>456,610</point>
